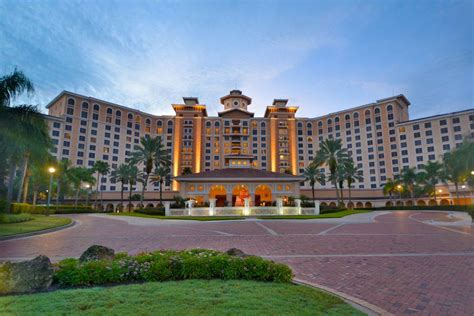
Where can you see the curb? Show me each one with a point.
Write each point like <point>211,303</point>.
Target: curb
<point>355,302</point>
<point>39,232</point>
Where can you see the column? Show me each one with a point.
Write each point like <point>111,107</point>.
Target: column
<point>316,207</point>
<point>279,203</point>
<point>298,206</point>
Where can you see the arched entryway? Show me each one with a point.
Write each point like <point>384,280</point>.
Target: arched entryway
<point>444,202</point>
<point>219,193</point>
<point>263,195</point>
<point>239,193</point>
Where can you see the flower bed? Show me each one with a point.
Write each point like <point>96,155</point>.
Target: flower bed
<point>168,265</point>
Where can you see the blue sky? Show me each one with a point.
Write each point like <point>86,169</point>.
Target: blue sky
<point>322,55</point>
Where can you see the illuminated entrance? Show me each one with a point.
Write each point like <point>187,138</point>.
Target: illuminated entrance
<point>263,195</point>
<point>239,193</point>
<point>219,193</point>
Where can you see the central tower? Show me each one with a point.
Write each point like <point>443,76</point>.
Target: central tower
<point>236,100</point>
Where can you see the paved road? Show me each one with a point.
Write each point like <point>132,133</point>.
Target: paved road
<point>399,261</point>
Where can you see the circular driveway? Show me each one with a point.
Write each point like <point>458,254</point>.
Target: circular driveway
<point>403,262</point>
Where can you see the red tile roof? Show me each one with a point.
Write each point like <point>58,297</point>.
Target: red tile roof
<point>239,174</point>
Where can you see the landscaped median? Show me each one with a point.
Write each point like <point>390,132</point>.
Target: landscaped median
<point>193,282</point>
<point>36,223</point>
<point>194,218</point>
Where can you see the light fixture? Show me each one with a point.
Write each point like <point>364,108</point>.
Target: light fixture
<point>463,187</point>
<point>51,170</point>
<point>439,191</point>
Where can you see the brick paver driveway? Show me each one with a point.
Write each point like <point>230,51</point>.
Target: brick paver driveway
<point>396,261</point>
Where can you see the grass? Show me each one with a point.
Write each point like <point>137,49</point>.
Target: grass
<point>191,297</point>
<point>338,214</point>
<point>193,218</point>
<point>38,223</point>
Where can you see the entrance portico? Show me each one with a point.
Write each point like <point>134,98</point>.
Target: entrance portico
<point>231,186</point>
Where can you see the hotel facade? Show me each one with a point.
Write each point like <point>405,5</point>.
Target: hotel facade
<point>236,153</point>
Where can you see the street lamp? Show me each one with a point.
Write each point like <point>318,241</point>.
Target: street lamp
<point>87,189</point>
<point>399,188</point>
<point>463,187</point>
<point>51,171</point>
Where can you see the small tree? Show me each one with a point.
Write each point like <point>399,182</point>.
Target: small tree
<point>313,174</point>
<point>160,175</point>
<point>102,168</point>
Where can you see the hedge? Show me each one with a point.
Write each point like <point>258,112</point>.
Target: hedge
<point>15,218</point>
<point>17,208</point>
<point>152,211</point>
<point>167,265</point>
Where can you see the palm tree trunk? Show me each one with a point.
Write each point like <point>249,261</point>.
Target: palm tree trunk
<point>35,195</point>
<point>97,190</point>
<point>350,197</point>
<point>77,196</point>
<point>161,192</point>
<point>436,201</point>
<point>312,189</point>
<point>22,176</point>
<point>337,192</point>
<point>145,182</point>
<point>130,199</point>
<point>11,180</point>
<point>58,192</point>
<point>342,193</point>
<point>26,185</point>
<point>121,197</point>
<point>457,192</point>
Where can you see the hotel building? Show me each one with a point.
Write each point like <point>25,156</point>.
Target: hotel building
<point>236,147</point>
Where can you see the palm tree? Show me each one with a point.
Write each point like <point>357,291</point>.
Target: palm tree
<point>454,169</point>
<point>145,153</point>
<point>351,173</point>
<point>133,174</point>
<point>186,171</point>
<point>38,180</point>
<point>62,177</point>
<point>313,174</point>
<point>102,168</point>
<point>390,187</point>
<point>332,154</point>
<point>431,175</point>
<point>409,179</point>
<point>121,174</point>
<point>78,176</point>
<point>159,176</point>
<point>13,85</point>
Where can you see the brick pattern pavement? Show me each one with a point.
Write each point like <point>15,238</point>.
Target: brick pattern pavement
<point>396,262</point>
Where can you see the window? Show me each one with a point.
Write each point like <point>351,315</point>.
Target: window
<point>71,102</point>
<point>97,108</point>
<point>85,105</point>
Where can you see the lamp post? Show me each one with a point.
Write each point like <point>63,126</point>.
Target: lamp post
<point>439,193</point>
<point>87,193</point>
<point>399,188</point>
<point>463,187</point>
<point>51,171</point>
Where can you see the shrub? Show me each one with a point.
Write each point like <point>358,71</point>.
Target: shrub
<point>17,208</point>
<point>15,218</point>
<point>3,206</point>
<point>152,211</point>
<point>168,265</point>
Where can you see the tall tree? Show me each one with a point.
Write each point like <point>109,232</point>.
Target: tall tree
<point>159,176</point>
<point>313,174</point>
<point>78,176</point>
<point>133,174</point>
<point>410,178</point>
<point>351,173</point>
<point>62,170</point>
<point>146,154</point>
<point>390,187</point>
<point>331,154</point>
<point>121,174</point>
<point>455,170</point>
<point>13,85</point>
<point>102,168</point>
<point>431,174</point>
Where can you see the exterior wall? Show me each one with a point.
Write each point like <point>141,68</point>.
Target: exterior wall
<point>375,134</point>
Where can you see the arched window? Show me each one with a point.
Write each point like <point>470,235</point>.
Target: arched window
<point>389,108</point>
<point>159,123</point>
<point>85,105</point>
<point>71,102</point>
<point>170,123</point>
<point>320,124</point>
<point>336,120</point>
<point>329,121</point>
<point>310,139</point>
<point>148,121</point>
<point>262,125</point>
<point>130,116</point>
<point>300,125</point>
<point>138,119</point>
<point>377,111</point>
<point>118,113</point>
<point>347,117</point>
<point>109,111</point>
<point>356,115</point>
<point>208,124</point>
<point>309,125</point>
<point>96,107</point>
<point>367,112</point>
<point>217,124</point>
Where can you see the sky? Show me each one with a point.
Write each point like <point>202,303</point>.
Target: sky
<point>323,56</point>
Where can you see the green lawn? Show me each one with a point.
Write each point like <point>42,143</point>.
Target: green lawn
<point>38,223</point>
<point>194,218</point>
<point>326,215</point>
<point>191,297</point>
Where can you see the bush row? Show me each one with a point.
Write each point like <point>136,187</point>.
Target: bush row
<point>15,218</point>
<point>152,211</point>
<point>168,265</point>
<point>17,208</point>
